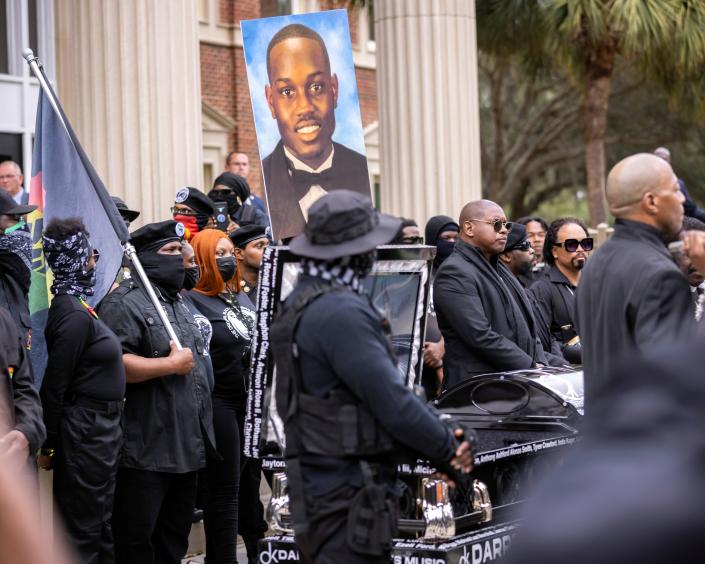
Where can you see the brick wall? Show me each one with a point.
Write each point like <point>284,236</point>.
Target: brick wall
<point>245,10</point>
<point>367,93</point>
<point>245,137</point>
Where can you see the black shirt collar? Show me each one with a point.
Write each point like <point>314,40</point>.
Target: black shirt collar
<point>557,277</point>
<point>638,231</point>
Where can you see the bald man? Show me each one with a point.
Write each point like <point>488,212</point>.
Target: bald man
<point>632,296</point>
<point>690,207</point>
<point>482,310</point>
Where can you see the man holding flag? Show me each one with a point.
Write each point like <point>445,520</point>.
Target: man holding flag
<point>63,185</point>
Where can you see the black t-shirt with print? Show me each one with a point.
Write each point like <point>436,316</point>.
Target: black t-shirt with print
<point>233,321</point>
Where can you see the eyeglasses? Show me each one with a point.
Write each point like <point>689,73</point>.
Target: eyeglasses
<point>8,176</point>
<point>416,240</point>
<point>182,211</point>
<point>523,246</point>
<point>497,224</point>
<point>571,245</point>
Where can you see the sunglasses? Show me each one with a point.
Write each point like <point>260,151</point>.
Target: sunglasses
<point>523,246</point>
<point>571,245</point>
<point>497,224</point>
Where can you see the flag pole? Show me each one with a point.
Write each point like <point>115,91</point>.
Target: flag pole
<point>128,248</point>
<point>34,64</point>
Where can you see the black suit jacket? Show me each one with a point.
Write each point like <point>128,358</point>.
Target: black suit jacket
<point>284,189</point>
<point>484,315</point>
<point>631,297</point>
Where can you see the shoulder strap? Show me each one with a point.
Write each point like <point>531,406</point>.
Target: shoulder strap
<point>284,347</point>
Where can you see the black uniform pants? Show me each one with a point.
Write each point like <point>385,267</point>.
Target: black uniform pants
<point>222,483</point>
<point>251,523</point>
<point>152,516</point>
<point>326,541</point>
<point>84,480</point>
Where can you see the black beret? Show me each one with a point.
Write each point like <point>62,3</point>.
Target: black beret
<point>246,234</point>
<point>195,199</point>
<point>153,236</point>
<point>125,212</point>
<point>236,183</point>
<point>516,236</point>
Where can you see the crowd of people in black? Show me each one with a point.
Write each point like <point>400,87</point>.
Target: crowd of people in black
<point>143,427</point>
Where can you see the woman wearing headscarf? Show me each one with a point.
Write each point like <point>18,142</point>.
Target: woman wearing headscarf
<point>441,232</point>
<point>218,297</point>
<point>235,191</point>
<point>82,395</point>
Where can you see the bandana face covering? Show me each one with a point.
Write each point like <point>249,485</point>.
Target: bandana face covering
<point>165,271</point>
<point>67,259</point>
<point>348,271</point>
<point>16,255</point>
<point>189,222</point>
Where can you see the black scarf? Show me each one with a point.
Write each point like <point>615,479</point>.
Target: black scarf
<point>67,259</point>
<point>347,271</point>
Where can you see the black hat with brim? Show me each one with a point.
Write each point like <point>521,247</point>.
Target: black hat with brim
<point>8,206</point>
<point>125,212</point>
<point>343,223</point>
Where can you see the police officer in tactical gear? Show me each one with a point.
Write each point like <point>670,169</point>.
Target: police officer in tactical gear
<point>345,408</point>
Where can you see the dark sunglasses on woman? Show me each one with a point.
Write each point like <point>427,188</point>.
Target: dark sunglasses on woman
<point>571,245</point>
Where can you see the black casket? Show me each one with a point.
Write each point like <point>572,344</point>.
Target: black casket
<point>524,420</point>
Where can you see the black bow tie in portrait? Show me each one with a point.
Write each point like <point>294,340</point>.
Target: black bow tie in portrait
<point>306,179</point>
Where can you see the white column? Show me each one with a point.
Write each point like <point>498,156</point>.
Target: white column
<point>428,106</point>
<point>128,74</point>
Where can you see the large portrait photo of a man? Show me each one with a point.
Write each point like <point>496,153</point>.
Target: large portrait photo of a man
<point>307,115</point>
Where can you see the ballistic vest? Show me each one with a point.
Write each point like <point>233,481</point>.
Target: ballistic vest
<point>337,425</point>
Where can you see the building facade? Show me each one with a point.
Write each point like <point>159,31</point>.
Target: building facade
<point>157,93</point>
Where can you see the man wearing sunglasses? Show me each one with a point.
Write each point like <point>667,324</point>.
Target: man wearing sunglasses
<point>632,296</point>
<point>519,255</point>
<point>566,250</point>
<point>483,312</point>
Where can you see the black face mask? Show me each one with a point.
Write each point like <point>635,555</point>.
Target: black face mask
<point>202,220</point>
<point>443,250</point>
<point>165,271</point>
<point>226,267</point>
<point>191,277</point>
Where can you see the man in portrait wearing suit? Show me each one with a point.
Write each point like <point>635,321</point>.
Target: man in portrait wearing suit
<point>302,95</point>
